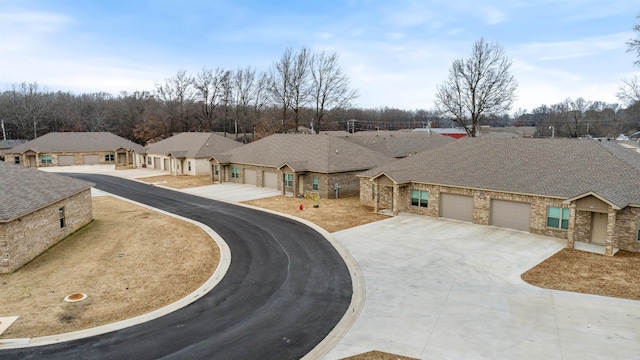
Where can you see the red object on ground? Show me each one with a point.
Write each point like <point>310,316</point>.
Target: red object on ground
<point>301,207</point>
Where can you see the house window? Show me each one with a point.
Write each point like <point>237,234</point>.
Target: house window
<point>189,165</point>
<point>61,213</point>
<point>420,198</point>
<point>16,160</point>
<point>638,233</point>
<point>315,183</point>
<point>108,157</point>
<point>149,160</point>
<point>558,217</point>
<point>288,180</point>
<point>45,159</point>
<point>216,170</point>
<point>235,172</point>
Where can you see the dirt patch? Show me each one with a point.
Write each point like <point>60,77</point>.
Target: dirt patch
<point>378,355</point>
<point>331,214</point>
<point>127,267</point>
<point>589,273</point>
<point>178,181</point>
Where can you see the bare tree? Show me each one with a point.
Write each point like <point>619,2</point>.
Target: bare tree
<point>209,90</point>
<point>477,86</point>
<point>629,91</point>
<point>226,84</point>
<point>244,91</point>
<point>298,84</point>
<point>280,76</point>
<point>634,44</point>
<point>177,95</point>
<point>30,108</point>
<point>329,88</point>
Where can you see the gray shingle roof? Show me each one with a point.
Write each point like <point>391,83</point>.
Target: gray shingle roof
<point>24,190</point>
<point>76,142</point>
<point>193,145</point>
<point>397,144</point>
<point>317,153</point>
<point>564,168</point>
<point>8,144</point>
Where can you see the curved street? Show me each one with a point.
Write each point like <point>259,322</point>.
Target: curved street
<point>285,290</point>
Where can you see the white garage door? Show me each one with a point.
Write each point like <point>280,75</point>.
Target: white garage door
<point>66,160</point>
<point>90,159</point>
<point>271,180</point>
<point>250,177</point>
<point>511,214</point>
<point>156,163</point>
<point>459,207</point>
<point>167,167</point>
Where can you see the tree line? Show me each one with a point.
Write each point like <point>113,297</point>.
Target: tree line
<point>307,91</point>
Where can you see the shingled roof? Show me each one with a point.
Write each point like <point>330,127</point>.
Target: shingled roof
<point>76,142</point>
<point>305,152</point>
<point>25,190</point>
<point>196,145</point>
<point>398,144</point>
<point>561,168</point>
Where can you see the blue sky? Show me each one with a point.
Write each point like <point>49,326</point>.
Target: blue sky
<point>395,52</point>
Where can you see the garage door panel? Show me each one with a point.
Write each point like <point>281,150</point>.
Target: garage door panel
<point>90,159</point>
<point>270,180</point>
<point>459,207</point>
<point>250,177</point>
<point>511,214</point>
<point>66,160</point>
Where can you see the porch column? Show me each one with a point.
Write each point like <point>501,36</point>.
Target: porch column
<point>295,185</point>
<point>611,224</point>
<point>283,183</point>
<point>396,195</point>
<point>571,233</point>
<point>376,202</point>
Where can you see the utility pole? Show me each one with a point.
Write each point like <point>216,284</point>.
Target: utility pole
<point>553,131</point>
<point>4,133</point>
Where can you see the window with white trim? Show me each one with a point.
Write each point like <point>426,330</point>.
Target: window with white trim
<point>315,183</point>
<point>61,214</point>
<point>288,180</point>
<point>109,157</point>
<point>558,217</point>
<point>638,232</point>
<point>420,198</point>
<point>45,159</point>
<point>16,160</point>
<point>235,172</point>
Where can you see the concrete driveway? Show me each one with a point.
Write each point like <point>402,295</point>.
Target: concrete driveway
<point>439,289</point>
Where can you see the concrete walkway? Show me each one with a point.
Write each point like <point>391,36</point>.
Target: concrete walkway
<point>439,289</point>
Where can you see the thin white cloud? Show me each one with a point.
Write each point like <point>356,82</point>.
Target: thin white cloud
<point>574,48</point>
<point>492,15</point>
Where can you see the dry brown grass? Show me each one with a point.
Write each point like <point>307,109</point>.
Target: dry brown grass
<point>331,214</point>
<point>378,355</point>
<point>178,181</point>
<point>129,261</point>
<point>589,273</point>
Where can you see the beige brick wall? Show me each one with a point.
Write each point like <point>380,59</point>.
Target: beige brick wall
<point>626,229</point>
<point>10,158</point>
<point>23,239</point>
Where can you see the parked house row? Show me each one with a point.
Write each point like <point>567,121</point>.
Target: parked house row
<point>578,190</point>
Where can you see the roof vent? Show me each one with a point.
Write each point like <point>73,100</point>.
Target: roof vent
<point>336,151</point>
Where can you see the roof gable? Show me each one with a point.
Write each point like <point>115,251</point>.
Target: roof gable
<point>76,142</point>
<point>195,145</point>
<point>322,153</point>
<point>24,190</point>
<point>562,168</point>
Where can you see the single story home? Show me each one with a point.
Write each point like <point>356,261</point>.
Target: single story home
<point>397,144</point>
<point>75,148</point>
<point>187,153</point>
<point>8,144</point>
<point>37,210</point>
<point>574,189</point>
<point>321,165</point>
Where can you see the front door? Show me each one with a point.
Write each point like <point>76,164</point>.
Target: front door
<point>599,228</point>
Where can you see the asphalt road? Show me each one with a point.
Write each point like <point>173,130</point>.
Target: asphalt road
<point>285,290</point>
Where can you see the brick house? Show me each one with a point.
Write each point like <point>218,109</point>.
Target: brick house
<point>187,153</point>
<point>297,164</point>
<point>578,190</point>
<point>37,210</point>
<point>75,148</point>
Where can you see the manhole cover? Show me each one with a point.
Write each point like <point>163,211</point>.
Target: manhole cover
<point>75,297</point>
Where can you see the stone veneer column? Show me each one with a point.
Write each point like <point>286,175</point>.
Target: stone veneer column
<point>396,195</point>
<point>611,224</point>
<point>571,233</point>
<point>376,202</point>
